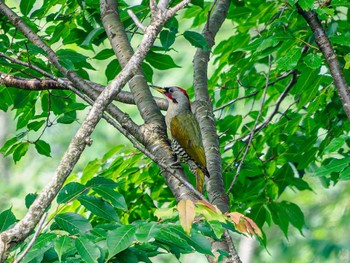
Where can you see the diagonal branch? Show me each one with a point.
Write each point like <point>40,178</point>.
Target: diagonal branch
<point>154,129</point>
<point>325,45</point>
<point>22,229</point>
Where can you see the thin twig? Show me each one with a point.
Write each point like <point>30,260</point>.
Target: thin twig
<point>136,20</point>
<point>32,241</point>
<point>235,100</point>
<point>252,130</point>
<point>262,125</point>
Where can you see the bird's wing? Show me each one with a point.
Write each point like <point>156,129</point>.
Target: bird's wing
<point>184,128</point>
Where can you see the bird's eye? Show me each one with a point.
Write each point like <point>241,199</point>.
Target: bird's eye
<point>171,90</point>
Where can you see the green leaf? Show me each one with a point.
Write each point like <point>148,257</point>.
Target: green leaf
<point>230,124</point>
<point>335,165</point>
<point>112,70</point>
<point>73,223</point>
<point>101,181</point>
<point>196,40</point>
<point>7,218</point>
<point>120,239</point>
<point>99,207</point>
<point>306,4</point>
<point>313,61</point>
<point>29,199</point>
<point>343,39</point>
<point>167,38</point>
<point>345,175</point>
<point>169,237</point>
<point>290,60</point>
<point>43,148</point>
<point>35,125</point>
<point>295,215</point>
<point>335,144</point>
<point>92,35</point>
<point>62,245</point>
<point>67,117</point>
<point>161,61</point>
<point>116,199</point>
<point>88,251</point>
<point>199,3</point>
<point>146,231</point>
<point>8,144</point>
<point>25,117</point>
<point>279,217</point>
<point>43,243</point>
<point>70,191</point>
<point>20,151</point>
<point>105,54</point>
<point>26,6</point>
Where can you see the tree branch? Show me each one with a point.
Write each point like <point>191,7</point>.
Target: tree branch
<point>325,45</point>
<point>154,129</point>
<point>204,113</point>
<point>51,84</point>
<point>22,229</point>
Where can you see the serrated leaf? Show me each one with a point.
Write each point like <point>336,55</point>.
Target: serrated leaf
<point>99,207</point>
<point>120,239</point>
<point>186,214</point>
<point>73,223</point>
<point>161,61</point>
<point>116,199</point>
<point>7,218</point>
<point>62,244</point>
<point>196,40</point>
<point>43,148</point>
<point>88,251</point>
<point>70,191</point>
<point>26,6</point>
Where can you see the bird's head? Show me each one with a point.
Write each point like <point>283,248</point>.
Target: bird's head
<point>174,94</point>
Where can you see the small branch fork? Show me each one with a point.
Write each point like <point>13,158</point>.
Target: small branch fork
<point>23,228</point>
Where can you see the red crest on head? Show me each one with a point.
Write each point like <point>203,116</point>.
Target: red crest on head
<point>184,92</point>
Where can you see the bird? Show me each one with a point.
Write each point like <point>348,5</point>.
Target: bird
<point>186,138</point>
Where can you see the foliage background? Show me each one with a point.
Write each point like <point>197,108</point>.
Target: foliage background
<point>312,128</point>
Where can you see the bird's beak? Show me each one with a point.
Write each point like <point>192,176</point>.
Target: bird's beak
<point>159,89</point>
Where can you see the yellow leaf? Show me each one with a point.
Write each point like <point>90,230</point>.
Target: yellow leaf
<point>186,214</point>
<point>164,213</point>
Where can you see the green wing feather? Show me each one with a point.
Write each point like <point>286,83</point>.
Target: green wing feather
<point>185,129</point>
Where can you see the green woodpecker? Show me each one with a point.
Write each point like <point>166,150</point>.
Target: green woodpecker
<point>186,138</point>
